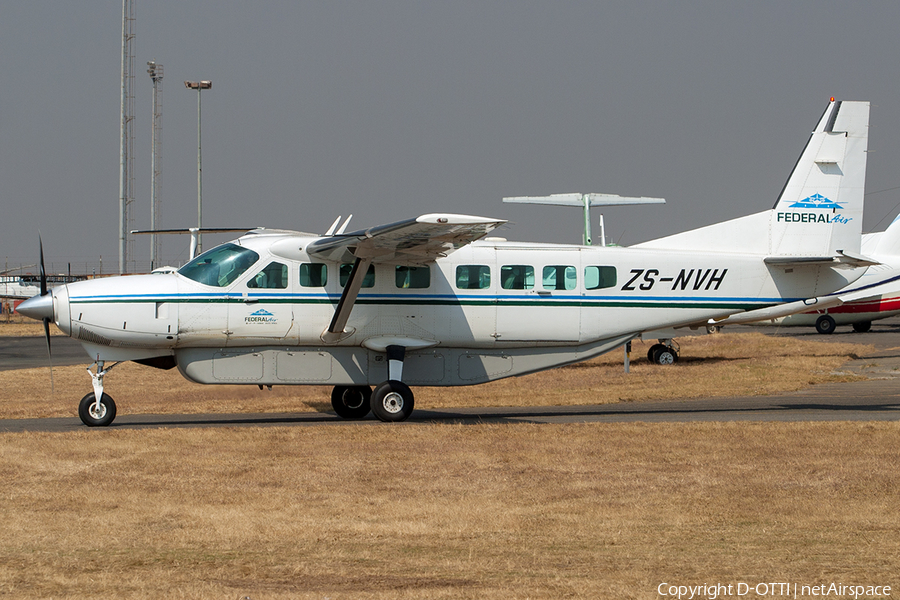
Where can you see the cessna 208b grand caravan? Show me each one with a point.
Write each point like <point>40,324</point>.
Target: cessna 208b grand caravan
<point>434,301</point>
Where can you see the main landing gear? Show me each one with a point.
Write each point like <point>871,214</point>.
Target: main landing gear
<point>391,401</point>
<point>663,353</point>
<point>94,412</point>
<point>825,324</point>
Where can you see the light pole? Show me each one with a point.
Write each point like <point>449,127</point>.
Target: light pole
<point>199,86</point>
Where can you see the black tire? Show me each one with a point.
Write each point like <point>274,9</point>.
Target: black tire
<point>651,353</point>
<point>105,415</point>
<point>392,401</point>
<point>665,356</point>
<point>825,325</point>
<point>351,402</point>
<point>862,327</point>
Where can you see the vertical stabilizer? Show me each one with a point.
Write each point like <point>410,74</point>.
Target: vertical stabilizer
<point>820,208</point>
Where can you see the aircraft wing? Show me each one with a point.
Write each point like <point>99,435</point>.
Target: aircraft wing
<point>412,242</point>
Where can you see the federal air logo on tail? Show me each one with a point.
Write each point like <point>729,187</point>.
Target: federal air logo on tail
<point>261,316</point>
<point>817,201</point>
<point>814,201</point>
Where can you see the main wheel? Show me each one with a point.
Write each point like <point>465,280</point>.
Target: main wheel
<point>351,402</point>
<point>651,353</point>
<point>94,416</point>
<point>825,324</point>
<point>665,356</point>
<point>392,401</point>
<point>862,327</point>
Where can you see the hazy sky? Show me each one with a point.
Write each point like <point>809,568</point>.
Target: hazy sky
<point>389,110</point>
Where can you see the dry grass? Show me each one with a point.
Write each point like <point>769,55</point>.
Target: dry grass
<point>732,364</point>
<point>447,511</point>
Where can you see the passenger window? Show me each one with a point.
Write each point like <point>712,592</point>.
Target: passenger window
<point>473,277</point>
<point>313,274</point>
<point>368,280</point>
<point>517,277</point>
<point>412,277</point>
<point>274,276</point>
<point>559,277</point>
<point>598,278</point>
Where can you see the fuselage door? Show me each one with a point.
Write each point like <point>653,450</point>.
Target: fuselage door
<point>538,295</point>
<point>265,312</point>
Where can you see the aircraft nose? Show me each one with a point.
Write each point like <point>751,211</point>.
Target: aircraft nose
<point>37,307</point>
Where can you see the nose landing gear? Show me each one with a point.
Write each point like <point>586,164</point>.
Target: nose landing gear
<point>97,409</point>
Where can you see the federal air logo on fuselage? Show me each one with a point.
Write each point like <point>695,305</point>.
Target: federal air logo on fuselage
<point>261,317</point>
<point>817,201</point>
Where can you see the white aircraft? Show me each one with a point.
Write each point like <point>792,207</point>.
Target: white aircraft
<point>433,301</point>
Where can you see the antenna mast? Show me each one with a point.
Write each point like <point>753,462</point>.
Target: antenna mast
<point>156,74</point>
<point>126,129</point>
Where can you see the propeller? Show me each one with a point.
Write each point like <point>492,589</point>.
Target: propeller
<point>45,319</point>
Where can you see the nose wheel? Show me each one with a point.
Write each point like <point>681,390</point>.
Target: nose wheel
<point>97,414</point>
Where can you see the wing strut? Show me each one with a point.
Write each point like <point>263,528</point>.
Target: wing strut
<point>335,331</point>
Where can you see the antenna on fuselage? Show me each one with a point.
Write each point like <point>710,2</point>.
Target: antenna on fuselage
<point>586,201</point>
<point>344,226</point>
<point>333,226</point>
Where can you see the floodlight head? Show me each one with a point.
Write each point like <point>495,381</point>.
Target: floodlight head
<point>198,85</point>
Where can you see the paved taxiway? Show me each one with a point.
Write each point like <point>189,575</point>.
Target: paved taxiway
<point>875,399</point>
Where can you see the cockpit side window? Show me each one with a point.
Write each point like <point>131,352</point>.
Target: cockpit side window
<point>220,266</point>
<point>273,277</point>
<point>313,274</point>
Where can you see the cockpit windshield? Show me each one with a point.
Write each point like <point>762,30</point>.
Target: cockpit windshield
<point>220,266</point>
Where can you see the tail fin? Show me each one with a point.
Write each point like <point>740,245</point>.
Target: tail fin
<point>820,208</point>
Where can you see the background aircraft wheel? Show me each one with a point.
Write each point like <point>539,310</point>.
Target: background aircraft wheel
<point>862,327</point>
<point>392,401</point>
<point>825,324</point>
<point>665,356</point>
<point>351,402</point>
<point>651,353</point>
<point>92,417</point>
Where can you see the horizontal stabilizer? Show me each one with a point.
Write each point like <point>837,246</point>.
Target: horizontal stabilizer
<point>581,199</point>
<point>846,259</point>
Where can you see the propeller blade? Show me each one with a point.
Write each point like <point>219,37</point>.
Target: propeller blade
<point>43,273</point>
<point>49,354</point>
<point>47,334</point>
